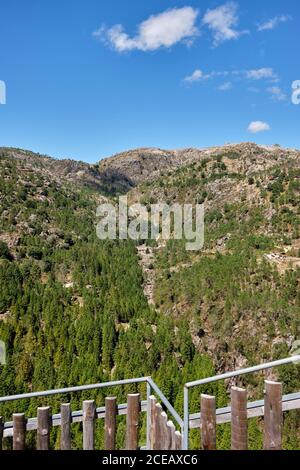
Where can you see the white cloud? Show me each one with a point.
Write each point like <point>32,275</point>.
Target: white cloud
<point>222,22</point>
<point>195,76</point>
<point>263,73</point>
<point>163,30</point>
<point>198,75</point>
<point>2,92</point>
<point>273,22</point>
<point>277,93</point>
<point>230,77</point>
<point>225,86</point>
<point>258,126</point>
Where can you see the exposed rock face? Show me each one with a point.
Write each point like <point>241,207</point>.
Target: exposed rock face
<point>146,164</point>
<point>61,171</point>
<point>146,260</point>
<point>126,170</point>
<point>139,165</point>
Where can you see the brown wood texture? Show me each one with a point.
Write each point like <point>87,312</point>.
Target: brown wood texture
<point>43,428</point>
<point>239,423</point>
<point>66,419</point>
<point>132,422</point>
<point>273,416</point>
<point>110,423</point>
<point>208,422</point>
<point>89,412</point>
<point>19,431</point>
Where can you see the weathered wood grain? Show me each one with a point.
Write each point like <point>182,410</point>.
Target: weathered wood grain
<point>273,416</point>
<point>208,422</point>
<point>239,426</point>
<point>110,423</point>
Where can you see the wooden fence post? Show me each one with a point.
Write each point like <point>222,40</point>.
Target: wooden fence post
<point>172,431</point>
<point>89,410</point>
<point>132,422</point>
<point>208,422</point>
<point>66,417</point>
<point>166,436</point>
<point>152,430</point>
<point>273,418</point>
<point>178,440</point>
<point>239,426</point>
<point>43,428</point>
<point>110,423</point>
<point>158,438</point>
<point>19,431</point>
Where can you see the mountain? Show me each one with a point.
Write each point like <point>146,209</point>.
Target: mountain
<point>146,164</point>
<point>241,292</point>
<point>74,309</point>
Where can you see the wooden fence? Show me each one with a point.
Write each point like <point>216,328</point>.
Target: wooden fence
<point>239,415</point>
<point>162,433</point>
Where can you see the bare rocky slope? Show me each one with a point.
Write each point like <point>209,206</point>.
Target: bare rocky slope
<point>133,167</point>
<point>146,164</point>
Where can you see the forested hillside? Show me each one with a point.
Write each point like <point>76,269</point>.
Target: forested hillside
<point>72,307</point>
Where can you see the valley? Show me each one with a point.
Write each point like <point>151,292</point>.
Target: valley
<point>73,307</point>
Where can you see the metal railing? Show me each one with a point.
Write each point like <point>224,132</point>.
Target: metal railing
<point>216,378</point>
<point>77,415</point>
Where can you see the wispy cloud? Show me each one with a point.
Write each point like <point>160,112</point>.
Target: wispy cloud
<point>258,126</point>
<point>273,22</point>
<point>196,76</point>
<point>277,93</point>
<point>2,92</point>
<point>266,73</point>
<point>263,73</point>
<point>158,31</point>
<point>225,86</point>
<point>222,21</point>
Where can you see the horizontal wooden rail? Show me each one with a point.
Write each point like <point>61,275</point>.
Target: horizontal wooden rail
<point>255,409</point>
<point>76,417</point>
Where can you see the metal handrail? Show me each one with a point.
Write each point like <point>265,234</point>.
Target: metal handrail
<point>167,404</point>
<point>227,375</point>
<point>79,388</point>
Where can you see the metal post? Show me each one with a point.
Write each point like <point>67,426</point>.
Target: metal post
<point>166,402</point>
<point>185,432</point>
<point>149,390</point>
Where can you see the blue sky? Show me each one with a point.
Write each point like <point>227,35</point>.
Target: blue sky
<point>172,74</point>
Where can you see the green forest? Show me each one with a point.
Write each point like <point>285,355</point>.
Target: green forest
<point>73,310</point>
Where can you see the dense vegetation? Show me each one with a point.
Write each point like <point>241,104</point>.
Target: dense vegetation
<point>73,311</point>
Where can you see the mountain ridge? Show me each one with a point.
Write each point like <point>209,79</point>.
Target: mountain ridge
<point>125,170</point>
